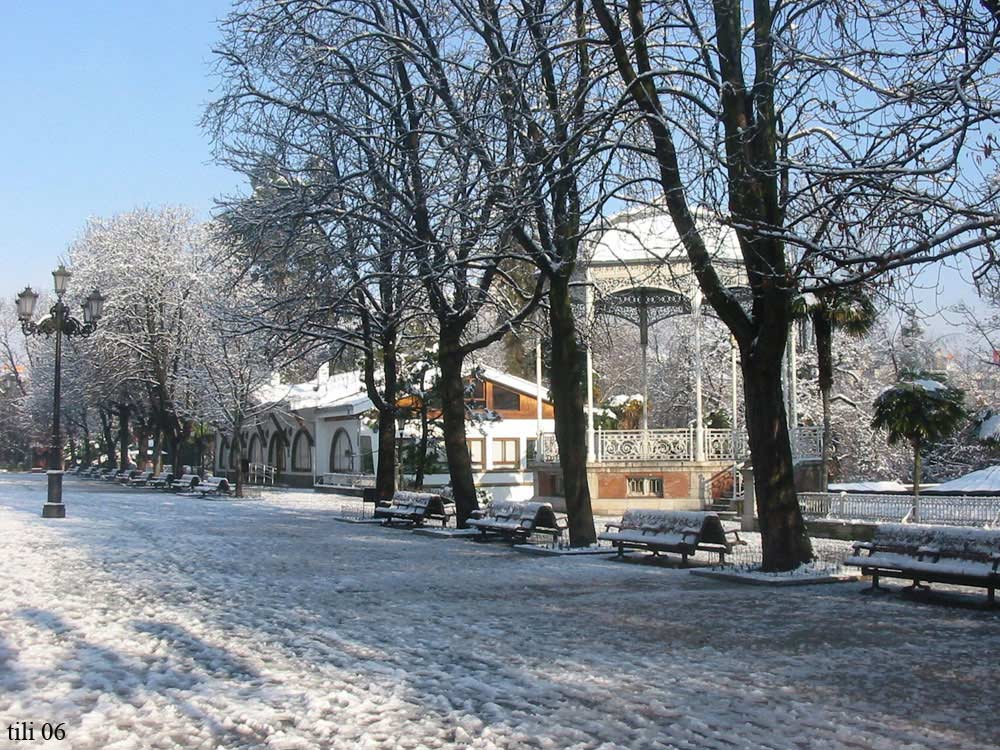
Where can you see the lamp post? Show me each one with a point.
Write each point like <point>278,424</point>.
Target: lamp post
<point>60,323</point>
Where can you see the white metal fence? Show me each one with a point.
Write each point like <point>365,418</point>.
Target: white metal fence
<point>260,474</point>
<point>959,510</point>
<point>346,480</point>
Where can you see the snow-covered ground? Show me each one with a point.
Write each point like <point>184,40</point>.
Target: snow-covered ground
<point>144,620</point>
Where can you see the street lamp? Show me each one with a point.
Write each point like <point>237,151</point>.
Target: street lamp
<point>61,323</point>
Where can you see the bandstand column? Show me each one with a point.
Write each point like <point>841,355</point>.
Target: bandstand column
<point>588,316</point>
<point>644,346</point>
<point>793,378</point>
<point>699,428</point>
<point>735,405</point>
<point>538,391</point>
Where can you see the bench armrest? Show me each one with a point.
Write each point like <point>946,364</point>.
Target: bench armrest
<point>609,526</point>
<point>735,534</point>
<point>858,546</point>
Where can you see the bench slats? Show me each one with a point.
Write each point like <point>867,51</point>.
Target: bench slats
<point>679,531</point>
<point>922,552</point>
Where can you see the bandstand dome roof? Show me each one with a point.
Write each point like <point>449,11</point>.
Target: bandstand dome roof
<point>647,235</point>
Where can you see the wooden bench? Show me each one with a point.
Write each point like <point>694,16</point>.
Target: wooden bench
<point>161,480</point>
<point>185,483</point>
<point>213,486</point>
<point>126,476</point>
<point>141,480</point>
<point>415,508</point>
<point>958,555</point>
<point>682,532</point>
<point>516,521</point>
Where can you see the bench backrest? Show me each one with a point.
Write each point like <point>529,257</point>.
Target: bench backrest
<point>674,522</point>
<point>528,513</point>
<point>949,541</point>
<point>189,478</point>
<point>424,503</point>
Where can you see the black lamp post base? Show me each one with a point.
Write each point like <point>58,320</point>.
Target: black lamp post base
<point>53,510</point>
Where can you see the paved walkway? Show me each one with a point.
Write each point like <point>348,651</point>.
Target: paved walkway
<point>145,620</point>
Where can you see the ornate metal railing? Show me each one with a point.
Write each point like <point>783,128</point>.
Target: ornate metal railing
<point>548,449</point>
<point>648,445</point>
<point>958,510</point>
<point>807,443</point>
<point>621,446</point>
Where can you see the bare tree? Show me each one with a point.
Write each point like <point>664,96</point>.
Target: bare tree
<point>152,267</point>
<point>361,126</point>
<point>835,138</point>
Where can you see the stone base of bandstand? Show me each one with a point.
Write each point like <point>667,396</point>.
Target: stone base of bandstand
<point>682,483</point>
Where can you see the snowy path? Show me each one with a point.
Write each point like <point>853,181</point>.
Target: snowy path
<point>149,621</point>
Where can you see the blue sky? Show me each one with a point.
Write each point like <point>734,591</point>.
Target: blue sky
<point>100,104</point>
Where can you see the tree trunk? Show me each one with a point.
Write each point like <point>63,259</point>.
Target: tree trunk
<point>568,397</point>
<point>123,435</point>
<point>783,534</point>
<point>142,445</point>
<point>237,447</point>
<point>916,481</point>
<point>385,474</point>
<point>418,480</point>
<point>823,328</point>
<point>452,387</point>
<point>109,440</point>
<point>87,453</point>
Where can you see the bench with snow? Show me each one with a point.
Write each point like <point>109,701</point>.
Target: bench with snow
<point>186,483</point>
<point>415,508</point>
<point>962,556</point>
<point>682,532</point>
<point>516,521</point>
<point>123,476</point>
<point>213,486</point>
<point>161,480</point>
<point>139,480</point>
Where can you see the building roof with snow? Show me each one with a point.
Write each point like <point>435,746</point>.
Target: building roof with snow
<point>983,482</point>
<point>648,235</point>
<point>345,392</point>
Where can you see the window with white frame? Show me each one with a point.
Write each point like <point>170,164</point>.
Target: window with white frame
<point>645,487</point>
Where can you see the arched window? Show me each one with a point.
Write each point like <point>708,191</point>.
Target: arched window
<point>341,452</point>
<point>223,453</point>
<point>302,451</point>
<point>255,452</point>
<point>276,451</point>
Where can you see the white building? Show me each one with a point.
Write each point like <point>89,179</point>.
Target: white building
<point>324,435</point>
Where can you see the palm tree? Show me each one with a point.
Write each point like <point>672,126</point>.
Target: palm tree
<point>920,410</point>
<point>848,310</point>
